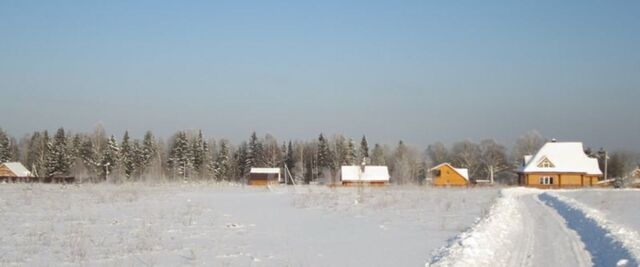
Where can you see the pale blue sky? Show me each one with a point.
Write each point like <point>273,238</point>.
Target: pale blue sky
<point>421,71</point>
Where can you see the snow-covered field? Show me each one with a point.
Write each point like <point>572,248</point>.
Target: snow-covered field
<point>227,225</point>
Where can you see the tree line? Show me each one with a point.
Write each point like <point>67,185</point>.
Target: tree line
<point>189,155</point>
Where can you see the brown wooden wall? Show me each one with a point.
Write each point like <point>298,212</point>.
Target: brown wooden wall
<point>4,171</point>
<point>449,177</point>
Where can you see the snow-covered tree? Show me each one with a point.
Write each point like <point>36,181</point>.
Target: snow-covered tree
<point>254,152</point>
<point>127,156</point>
<point>240,158</point>
<point>324,159</point>
<point>377,155</point>
<point>58,159</point>
<point>351,157</point>
<point>180,157</point>
<point>493,159</point>
<point>109,159</point>
<point>290,159</point>
<point>148,151</point>
<point>527,144</point>
<point>198,152</point>
<point>222,164</point>
<point>467,154</point>
<point>5,149</point>
<point>363,151</point>
<point>437,153</point>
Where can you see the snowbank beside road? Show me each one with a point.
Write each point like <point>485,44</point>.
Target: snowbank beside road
<point>492,239</point>
<point>628,237</point>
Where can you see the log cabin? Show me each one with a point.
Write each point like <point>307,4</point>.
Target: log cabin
<point>264,176</point>
<point>559,165</point>
<point>14,169</point>
<point>446,175</point>
<point>364,175</point>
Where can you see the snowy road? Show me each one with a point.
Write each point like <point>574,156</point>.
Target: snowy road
<point>529,227</point>
<point>546,240</point>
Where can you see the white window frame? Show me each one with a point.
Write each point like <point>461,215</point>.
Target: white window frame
<point>546,180</point>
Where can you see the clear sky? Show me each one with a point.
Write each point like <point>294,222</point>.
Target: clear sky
<point>421,71</point>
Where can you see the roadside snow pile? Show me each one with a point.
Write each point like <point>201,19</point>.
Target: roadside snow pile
<point>496,234</point>
<point>628,237</point>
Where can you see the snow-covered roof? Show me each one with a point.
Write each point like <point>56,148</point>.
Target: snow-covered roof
<point>561,157</point>
<point>266,170</point>
<point>370,174</point>
<point>17,168</point>
<point>462,171</point>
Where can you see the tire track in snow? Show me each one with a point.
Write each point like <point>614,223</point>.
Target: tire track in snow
<point>518,231</point>
<point>604,249</point>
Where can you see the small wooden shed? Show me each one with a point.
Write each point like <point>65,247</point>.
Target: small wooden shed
<point>369,175</point>
<point>264,176</point>
<point>446,175</point>
<point>14,169</point>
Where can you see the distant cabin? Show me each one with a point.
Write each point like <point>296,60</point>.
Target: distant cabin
<point>264,176</point>
<point>559,164</point>
<point>14,169</point>
<point>367,175</point>
<point>446,175</point>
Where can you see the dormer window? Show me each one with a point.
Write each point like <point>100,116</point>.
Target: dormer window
<point>545,163</point>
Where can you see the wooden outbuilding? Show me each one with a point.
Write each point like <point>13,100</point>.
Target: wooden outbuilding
<point>559,164</point>
<point>14,169</point>
<point>364,175</point>
<point>446,175</point>
<point>264,176</point>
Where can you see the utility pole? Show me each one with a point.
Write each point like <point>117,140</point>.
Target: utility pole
<point>606,160</point>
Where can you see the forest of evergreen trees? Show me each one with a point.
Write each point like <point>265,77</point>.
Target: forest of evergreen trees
<point>189,155</point>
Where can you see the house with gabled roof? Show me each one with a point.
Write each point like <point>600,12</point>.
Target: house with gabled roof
<point>446,175</point>
<point>559,164</point>
<point>364,175</point>
<point>264,176</point>
<point>14,169</point>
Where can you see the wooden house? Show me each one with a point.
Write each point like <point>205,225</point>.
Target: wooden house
<point>364,175</point>
<point>446,175</point>
<point>14,169</point>
<point>559,164</point>
<point>264,176</point>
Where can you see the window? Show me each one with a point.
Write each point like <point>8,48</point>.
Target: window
<point>546,163</point>
<point>546,180</point>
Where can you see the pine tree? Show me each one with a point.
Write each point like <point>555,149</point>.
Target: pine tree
<point>88,156</point>
<point>241,160</point>
<point>109,158</point>
<point>323,157</point>
<point>198,153</point>
<point>180,157</point>
<point>341,151</point>
<point>350,156</point>
<point>290,159</point>
<point>5,149</point>
<point>222,163</point>
<point>58,160</point>
<point>31,158</point>
<point>364,149</point>
<point>254,152</point>
<point>149,150</point>
<point>138,160</point>
<point>126,156</point>
<point>377,155</point>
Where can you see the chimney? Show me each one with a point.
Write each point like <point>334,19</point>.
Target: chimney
<point>553,140</point>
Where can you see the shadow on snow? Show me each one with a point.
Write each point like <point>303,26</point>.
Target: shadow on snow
<point>604,250</point>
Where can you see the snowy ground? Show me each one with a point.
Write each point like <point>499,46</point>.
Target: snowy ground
<point>225,225</point>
